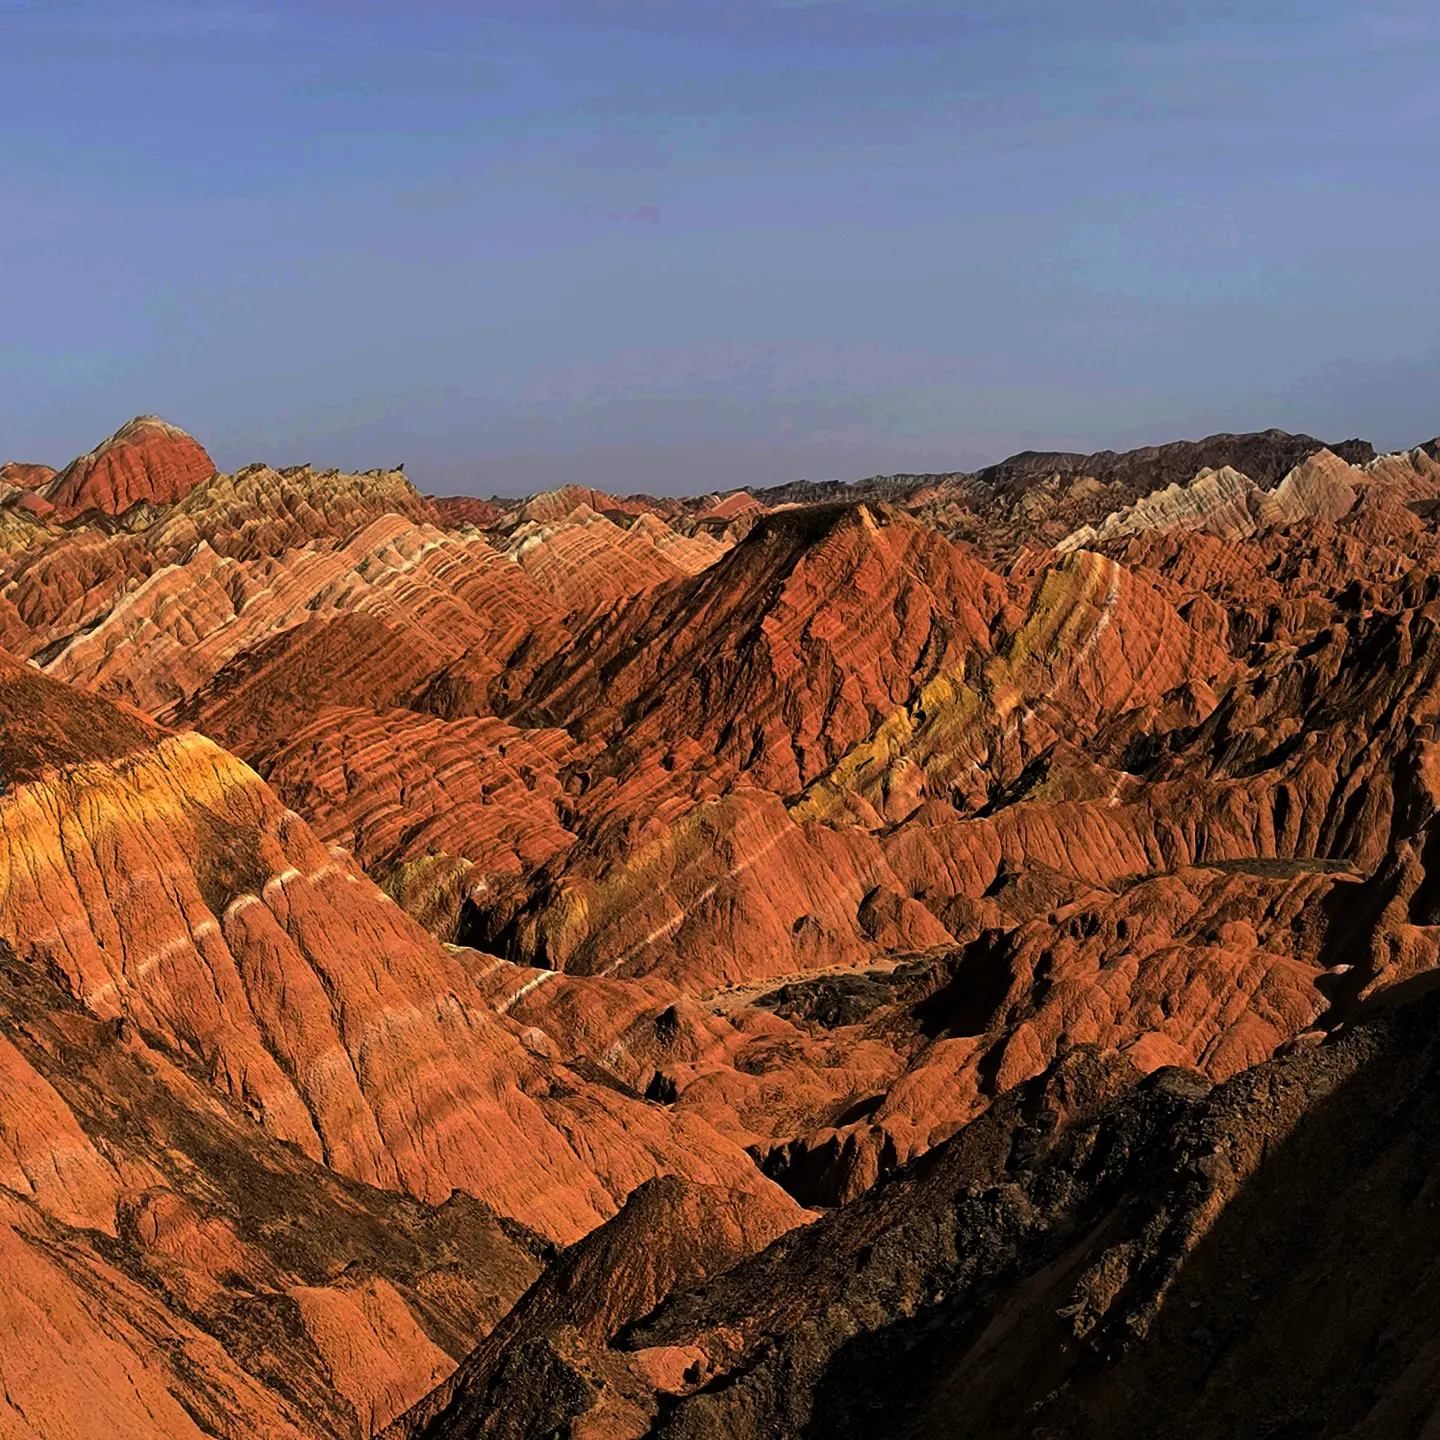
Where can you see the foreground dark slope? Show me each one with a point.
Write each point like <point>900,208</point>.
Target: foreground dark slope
<point>1257,1260</point>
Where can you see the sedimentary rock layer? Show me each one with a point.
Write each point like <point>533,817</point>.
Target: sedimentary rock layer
<point>638,876</point>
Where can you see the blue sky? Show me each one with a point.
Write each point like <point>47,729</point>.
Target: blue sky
<point>679,245</point>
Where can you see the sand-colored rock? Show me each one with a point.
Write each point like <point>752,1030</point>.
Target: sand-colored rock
<point>550,506</point>
<point>1229,505</point>
<point>1221,502</point>
<point>176,630</point>
<point>585,560</point>
<point>1319,487</point>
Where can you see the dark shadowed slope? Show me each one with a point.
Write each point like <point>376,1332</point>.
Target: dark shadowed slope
<point>1257,1260</point>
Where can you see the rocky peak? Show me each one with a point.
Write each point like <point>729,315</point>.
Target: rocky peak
<point>146,460</point>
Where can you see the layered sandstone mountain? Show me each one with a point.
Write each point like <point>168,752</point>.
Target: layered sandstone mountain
<point>553,505</point>
<point>457,510</point>
<point>637,876</point>
<point>164,884</point>
<point>144,462</point>
<point>23,476</point>
<point>217,1031</point>
<point>1230,505</point>
<point>845,743</point>
<point>1032,500</point>
<point>172,1270</point>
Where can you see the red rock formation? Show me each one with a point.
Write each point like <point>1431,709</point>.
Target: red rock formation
<point>35,506</point>
<point>228,942</point>
<point>174,1271</point>
<point>763,663</point>
<point>668,1236</point>
<point>146,461</point>
<point>738,502</point>
<point>467,804</point>
<point>457,510</point>
<point>784,844</point>
<point>24,476</point>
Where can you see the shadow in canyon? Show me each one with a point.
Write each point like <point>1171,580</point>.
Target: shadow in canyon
<point>1310,1309</point>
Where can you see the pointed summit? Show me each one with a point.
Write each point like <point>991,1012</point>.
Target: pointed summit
<point>145,460</point>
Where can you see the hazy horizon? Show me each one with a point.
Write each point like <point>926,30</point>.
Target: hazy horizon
<point>694,246</point>
<point>512,492</point>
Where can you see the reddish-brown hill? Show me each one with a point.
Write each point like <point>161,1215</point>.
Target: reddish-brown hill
<point>25,476</point>
<point>455,510</point>
<point>144,462</point>
<point>633,875</point>
<point>155,896</point>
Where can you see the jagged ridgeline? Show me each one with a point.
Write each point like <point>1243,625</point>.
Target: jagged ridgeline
<point>945,955</point>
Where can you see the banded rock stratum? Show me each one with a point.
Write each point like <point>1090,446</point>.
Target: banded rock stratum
<point>846,960</point>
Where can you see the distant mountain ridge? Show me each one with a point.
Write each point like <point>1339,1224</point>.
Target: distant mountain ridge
<point>1264,455</point>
